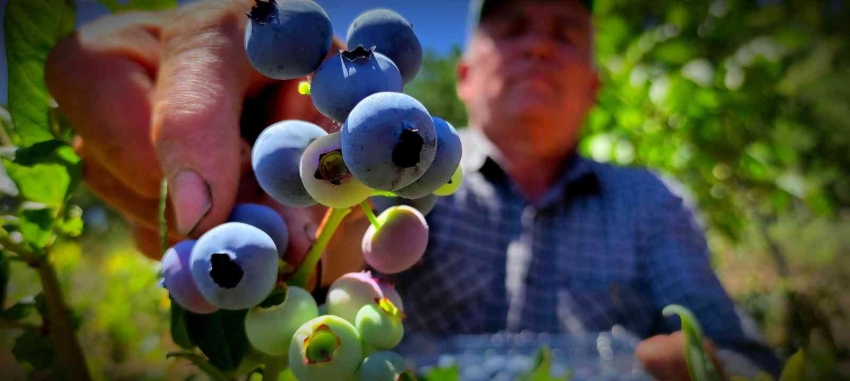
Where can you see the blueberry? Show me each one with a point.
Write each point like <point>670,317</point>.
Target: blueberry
<point>270,329</point>
<point>445,163</point>
<point>348,294</point>
<point>400,241</point>
<point>287,39</point>
<point>276,158</point>
<point>177,278</point>
<point>392,36</point>
<point>381,366</point>
<point>234,265</point>
<point>326,177</point>
<point>423,204</point>
<point>266,219</point>
<point>345,79</point>
<point>325,348</point>
<point>388,141</point>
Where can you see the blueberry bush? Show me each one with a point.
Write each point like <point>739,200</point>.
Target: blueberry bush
<point>743,102</point>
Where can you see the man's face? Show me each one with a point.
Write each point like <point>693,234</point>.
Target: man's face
<point>528,75</point>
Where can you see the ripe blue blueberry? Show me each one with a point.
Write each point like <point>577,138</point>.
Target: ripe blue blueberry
<point>266,219</point>
<point>287,39</point>
<point>177,278</point>
<point>445,163</point>
<point>276,157</point>
<point>234,265</point>
<point>346,78</point>
<point>388,141</point>
<point>392,36</point>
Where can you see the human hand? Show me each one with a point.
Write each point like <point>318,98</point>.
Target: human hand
<point>663,357</point>
<point>172,94</point>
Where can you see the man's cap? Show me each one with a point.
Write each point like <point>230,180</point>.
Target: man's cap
<point>480,8</point>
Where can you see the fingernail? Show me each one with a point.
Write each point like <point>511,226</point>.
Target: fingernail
<point>191,197</point>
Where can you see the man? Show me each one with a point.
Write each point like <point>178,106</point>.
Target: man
<point>541,239</point>
<point>537,238</point>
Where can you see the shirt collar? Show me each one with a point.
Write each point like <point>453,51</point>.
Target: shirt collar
<point>579,175</point>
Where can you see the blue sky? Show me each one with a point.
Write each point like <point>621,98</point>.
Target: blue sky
<point>438,26</point>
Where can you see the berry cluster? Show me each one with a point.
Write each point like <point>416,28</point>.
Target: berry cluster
<point>387,146</point>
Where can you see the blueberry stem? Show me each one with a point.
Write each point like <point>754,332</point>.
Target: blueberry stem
<point>383,193</point>
<point>331,221</point>
<point>274,365</point>
<point>370,214</point>
<point>304,88</point>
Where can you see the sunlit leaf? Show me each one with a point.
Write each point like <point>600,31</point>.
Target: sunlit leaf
<point>47,172</point>
<point>449,373</point>
<point>542,370</point>
<point>71,224</point>
<point>795,367</point>
<point>32,28</point>
<point>36,224</point>
<point>115,6</point>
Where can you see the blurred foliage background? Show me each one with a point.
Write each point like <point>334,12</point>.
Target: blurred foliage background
<point>744,105</point>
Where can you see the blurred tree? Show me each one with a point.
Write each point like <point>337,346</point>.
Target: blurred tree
<point>434,86</point>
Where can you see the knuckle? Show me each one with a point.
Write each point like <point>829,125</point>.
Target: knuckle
<point>203,24</point>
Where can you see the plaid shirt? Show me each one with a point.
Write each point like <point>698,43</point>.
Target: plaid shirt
<point>605,246</point>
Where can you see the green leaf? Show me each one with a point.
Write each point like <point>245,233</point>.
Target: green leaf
<point>543,368</point>
<point>795,367</point>
<point>37,223</point>
<point>220,336</point>
<point>18,310</point>
<point>8,129</point>
<point>71,224</point>
<point>47,172</point>
<point>700,366</point>
<point>146,5</point>
<point>34,349</point>
<point>32,28</point>
<point>449,373</point>
<point>179,333</point>
<point>4,278</point>
<point>41,307</point>
<point>676,52</point>
<point>201,363</point>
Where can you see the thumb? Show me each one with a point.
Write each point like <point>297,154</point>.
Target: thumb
<point>202,82</point>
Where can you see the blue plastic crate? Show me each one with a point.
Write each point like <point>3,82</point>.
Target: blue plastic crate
<point>594,356</point>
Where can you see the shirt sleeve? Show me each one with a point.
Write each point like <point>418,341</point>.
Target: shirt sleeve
<point>678,271</point>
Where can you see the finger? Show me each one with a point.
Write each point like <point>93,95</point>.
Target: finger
<point>102,80</point>
<point>137,208</point>
<point>663,357</point>
<point>202,81</point>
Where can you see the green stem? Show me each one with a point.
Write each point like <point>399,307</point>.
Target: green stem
<point>332,221</point>
<point>163,222</point>
<point>68,349</point>
<point>274,365</point>
<point>383,193</point>
<point>370,214</point>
